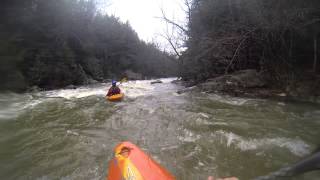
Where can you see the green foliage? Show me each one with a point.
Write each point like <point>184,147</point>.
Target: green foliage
<point>55,43</point>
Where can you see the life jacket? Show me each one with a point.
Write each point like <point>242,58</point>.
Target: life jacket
<point>114,90</point>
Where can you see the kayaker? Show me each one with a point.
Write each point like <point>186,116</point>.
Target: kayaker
<point>114,89</point>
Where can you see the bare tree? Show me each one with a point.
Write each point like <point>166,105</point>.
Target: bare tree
<point>176,33</point>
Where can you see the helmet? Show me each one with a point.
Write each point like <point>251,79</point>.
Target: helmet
<point>114,83</point>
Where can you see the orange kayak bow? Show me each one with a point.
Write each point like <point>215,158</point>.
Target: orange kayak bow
<point>131,163</point>
<point>117,97</point>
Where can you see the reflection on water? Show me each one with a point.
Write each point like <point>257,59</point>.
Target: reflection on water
<point>70,134</point>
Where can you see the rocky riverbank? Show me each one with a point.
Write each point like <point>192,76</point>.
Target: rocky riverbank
<point>252,84</point>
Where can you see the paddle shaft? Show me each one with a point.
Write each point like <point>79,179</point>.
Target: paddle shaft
<point>308,164</point>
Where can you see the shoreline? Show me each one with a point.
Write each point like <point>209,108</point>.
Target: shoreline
<point>248,84</point>
<point>262,93</point>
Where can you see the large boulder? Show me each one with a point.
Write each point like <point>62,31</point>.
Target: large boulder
<point>249,78</point>
<point>238,80</point>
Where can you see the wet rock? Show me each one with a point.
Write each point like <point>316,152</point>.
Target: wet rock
<point>190,83</point>
<point>157,81</point>
<point>178,82</point>
<point>248,78</point>
<point>188,89</point>
<point>34,89</point>
<point>185,83</point>
<point>71,87</point>
<point>92,81</point>
<point>238,80</point>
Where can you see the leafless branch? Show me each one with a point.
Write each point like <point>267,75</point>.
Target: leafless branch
<point>167,20</point>
<point>169,39</point>
<point>188,5</point>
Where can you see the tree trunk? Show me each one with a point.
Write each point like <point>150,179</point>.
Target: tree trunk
<point>291,45</point>
<point>315,54</point>
<point>231,10</point>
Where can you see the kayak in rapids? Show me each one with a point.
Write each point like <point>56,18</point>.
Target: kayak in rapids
<point>131,163</point>
<point>116,97</point>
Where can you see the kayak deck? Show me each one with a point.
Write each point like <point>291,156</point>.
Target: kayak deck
<point>131,163</point>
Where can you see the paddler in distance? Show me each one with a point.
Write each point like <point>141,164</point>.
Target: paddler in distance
<point>114,89</point>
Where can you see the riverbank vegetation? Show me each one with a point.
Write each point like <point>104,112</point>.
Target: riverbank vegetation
<point>278,39</point>
<point>56,43</point>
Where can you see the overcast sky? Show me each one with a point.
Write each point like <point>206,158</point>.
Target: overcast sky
<point>142,14</point>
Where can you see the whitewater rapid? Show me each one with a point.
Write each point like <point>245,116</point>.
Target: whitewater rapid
<point>71,133</point>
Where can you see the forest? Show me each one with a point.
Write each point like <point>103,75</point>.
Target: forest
<point>279,39</point>
<point>231,91</point>
<point>55,43</point>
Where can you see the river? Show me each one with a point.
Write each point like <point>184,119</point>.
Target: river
<point>70,134</point>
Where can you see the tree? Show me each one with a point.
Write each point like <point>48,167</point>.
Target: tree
<point>56,43</point>
<point>271,36</point>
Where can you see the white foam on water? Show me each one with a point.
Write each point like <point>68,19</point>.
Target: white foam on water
<point>201,121</point>
<point>228,100</point>
<point>31,103</point>
<point>8,113</point>
<point>295,146</point>
<point>131,89</point>
<point>201,163</point>
<point>204,115</point>
<point>169,147</point>
<point>12,105</point>
<point>168,80</point>
<point>72,133</point>
<point>196,150</point>
<point>78,93</point>
<point>188,136</point>
<point>135,89</point>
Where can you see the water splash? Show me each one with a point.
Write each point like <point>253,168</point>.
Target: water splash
<point>228,100</point>
<point>295,146</point>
